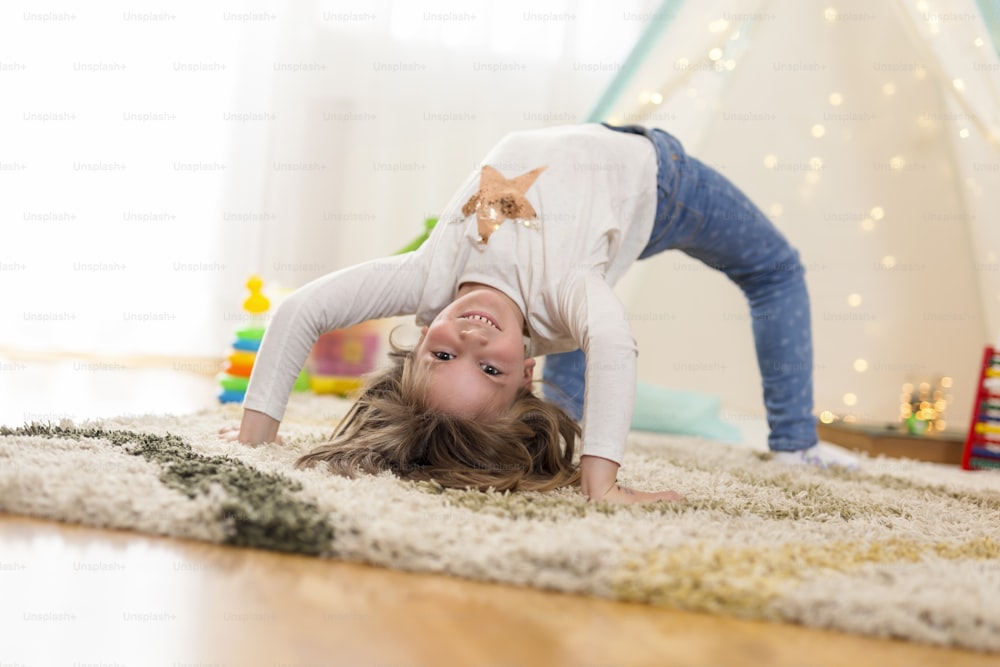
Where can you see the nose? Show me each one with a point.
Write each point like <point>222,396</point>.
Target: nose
<point>473,335</point>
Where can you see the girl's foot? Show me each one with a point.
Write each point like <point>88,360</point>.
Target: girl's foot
<point>820,455</point>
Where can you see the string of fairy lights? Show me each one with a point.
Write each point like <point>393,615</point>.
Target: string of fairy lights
<point>923,402</point>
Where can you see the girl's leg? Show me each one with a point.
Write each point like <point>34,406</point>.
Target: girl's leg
<point>718,225</point>
<point>564,381</point>
<point>701,213</point>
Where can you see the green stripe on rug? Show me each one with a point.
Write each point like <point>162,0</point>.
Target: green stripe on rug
<point>259,507</point>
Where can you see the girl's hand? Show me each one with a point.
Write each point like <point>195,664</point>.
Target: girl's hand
<point>232,434</point>
<point>255,428</point>
<point>598,482</point>
<point>625,494</point>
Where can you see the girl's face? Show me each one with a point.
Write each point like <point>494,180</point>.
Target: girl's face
<point>472,354</point>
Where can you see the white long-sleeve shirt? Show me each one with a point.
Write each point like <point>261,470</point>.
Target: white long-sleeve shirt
<point>595,202</point>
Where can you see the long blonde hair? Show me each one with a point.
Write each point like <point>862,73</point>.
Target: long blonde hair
<point>389,427</point>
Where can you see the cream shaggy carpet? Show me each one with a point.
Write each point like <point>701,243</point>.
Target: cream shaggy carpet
<point>899,549</point>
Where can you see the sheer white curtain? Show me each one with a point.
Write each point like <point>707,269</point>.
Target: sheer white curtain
<point>152,158</point>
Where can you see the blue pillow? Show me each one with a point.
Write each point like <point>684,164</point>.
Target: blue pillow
<point>663,410</point>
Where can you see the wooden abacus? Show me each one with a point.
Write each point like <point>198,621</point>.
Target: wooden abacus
<point>982,446</point>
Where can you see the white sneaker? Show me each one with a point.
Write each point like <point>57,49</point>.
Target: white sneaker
<point>821,455</point>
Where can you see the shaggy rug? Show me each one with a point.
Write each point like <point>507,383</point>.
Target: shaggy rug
<point>898,549</point>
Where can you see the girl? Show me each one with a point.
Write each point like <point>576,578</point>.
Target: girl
<point>521,264</point>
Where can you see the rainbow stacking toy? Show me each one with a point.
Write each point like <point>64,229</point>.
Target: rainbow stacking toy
<point>982,446</point>
<point>239,364</point>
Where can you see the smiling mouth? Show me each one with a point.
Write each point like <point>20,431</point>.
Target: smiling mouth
<point>480,317</point>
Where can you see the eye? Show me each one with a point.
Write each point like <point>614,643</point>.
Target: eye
<point>491,370</point>
<point>443,356</point>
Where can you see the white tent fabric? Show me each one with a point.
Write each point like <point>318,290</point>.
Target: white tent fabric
<point>870,133</point>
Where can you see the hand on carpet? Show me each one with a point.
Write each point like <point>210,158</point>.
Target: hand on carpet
<point>599,481</point>
<point>232,434</point>
<point>255,428</point>
<point>625,494</point>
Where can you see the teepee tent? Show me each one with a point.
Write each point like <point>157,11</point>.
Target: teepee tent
<point>870,133</point>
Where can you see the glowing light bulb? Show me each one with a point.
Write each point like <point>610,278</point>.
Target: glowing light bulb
<point>964,133</point>
<point>867,225</point>
<point>818,130</point>
<point>815,163</point>
<point>770,161</point>
<point>850,399</point>
<point>830,14</point>
<point>897,162</point>
<point>656,98</point>
<point>836,99</point>
<point>888,262</point>
<point>959,84</point>
<point>854,300</point>
<point>715,54</point>
<point>860,365</point>
<point>877,213</point>
<point>826,417</point>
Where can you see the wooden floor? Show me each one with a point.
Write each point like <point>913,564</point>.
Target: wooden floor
<point>81,596</point>
<point>78,596</point>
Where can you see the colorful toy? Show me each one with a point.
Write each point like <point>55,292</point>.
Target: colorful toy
<point>419,241</point>
<point>238,365</point>
<point>915,425</point>
<point>982,446</point>
<point>341,357</point>
<point>256,303</point>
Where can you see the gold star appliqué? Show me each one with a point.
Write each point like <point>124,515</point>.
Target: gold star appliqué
<point>501,199</point>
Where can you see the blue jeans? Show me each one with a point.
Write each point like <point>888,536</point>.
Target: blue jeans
<point>704,215</point>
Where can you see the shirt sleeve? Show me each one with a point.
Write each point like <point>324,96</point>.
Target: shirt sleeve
<point>375,289</point>
<point>598,322</point>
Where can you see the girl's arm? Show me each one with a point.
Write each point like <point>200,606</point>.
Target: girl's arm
<point>599,324</point>
<point>375,289</point>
